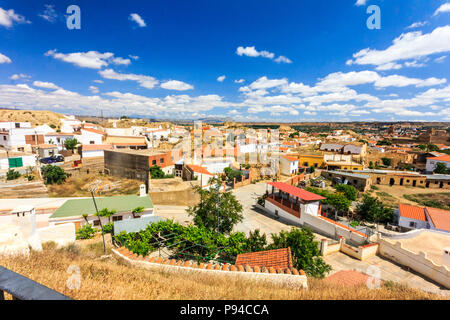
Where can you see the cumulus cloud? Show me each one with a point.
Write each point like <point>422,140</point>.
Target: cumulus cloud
<point>46,85</point>
<point>90,59</point>
<point>19,76</point>
<point>412,45</point>
<point>360,3</point>
<point>221,78</point>
<point>443,8</point>
<point>144,81</point>
<point>417,25</point>
<point>94,89</point>
<point>137,18</point>
<point>252,52</point>
<point>9,17</point>
<point>4,59</point>
<point>176,85</point>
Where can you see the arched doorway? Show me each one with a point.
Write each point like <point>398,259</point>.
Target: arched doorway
<point>391,181</point>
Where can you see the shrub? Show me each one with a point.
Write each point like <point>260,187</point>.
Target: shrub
<point>53,174</point>
<point>349,191</point>
<point>12,174</point>
<point>107,228</point>
<point>86,232</point>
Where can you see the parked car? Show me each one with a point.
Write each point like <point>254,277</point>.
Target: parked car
<point>52,159</point>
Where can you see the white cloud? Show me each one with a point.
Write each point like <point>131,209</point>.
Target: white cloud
<point>401,81</point>
<point>264,83</point>
<point>389,66</point>
<point>94,89</point>
<point>137,18</point>
<point>221,78</point>
<point>98,81</point>
<point>144,81</point>
<point>239,81</point>
<point>417,24</point>
<point>133,57</point>
<point>90,59</point>
<point>360,3</point>
<point>49,13</point>
<point>440,59</point>
<point>4,59</point>
<point>252,52</point>
<point>414,64</point>
<point>282,59</point>
<point>46,85</point>
<point>176,85</point>
<point>412,45</point>
<point>8,17</point>
<point>19,76</point>
<point>443,8</point>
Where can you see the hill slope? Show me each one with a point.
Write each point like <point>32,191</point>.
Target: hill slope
<point>35,117</point>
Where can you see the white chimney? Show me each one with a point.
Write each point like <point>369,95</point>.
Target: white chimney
<point>142,191</point>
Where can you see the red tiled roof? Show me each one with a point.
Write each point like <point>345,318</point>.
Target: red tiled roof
<point>439,217</point>
<point>278,258</point>
<point>290,158</point>
<point>441,158</point>
<point>47,146</point>
<point>347,278</point>
<point>94,131</point>
<point>412,212</point>
<point>199,169</point>
<point>296,192</point>
<point>91,147</point>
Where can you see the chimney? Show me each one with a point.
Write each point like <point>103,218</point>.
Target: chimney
<point>142,191</point>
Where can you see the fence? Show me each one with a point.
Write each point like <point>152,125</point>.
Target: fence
<point>23,288</point>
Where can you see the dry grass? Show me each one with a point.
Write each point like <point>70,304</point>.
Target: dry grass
<point>33,116</point>
<point>109,279</point>
<point>78,186</point>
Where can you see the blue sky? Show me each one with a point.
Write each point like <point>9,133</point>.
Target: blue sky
<point>248,60</point>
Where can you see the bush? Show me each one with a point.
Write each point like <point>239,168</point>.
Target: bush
<point>107,228</point>
<point>86,232</point>
<point>53,174</point>
<point>350,192</point>
<point>12,174</point>
<point>371,209</point>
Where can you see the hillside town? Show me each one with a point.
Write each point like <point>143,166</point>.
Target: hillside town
<point>371,197</point>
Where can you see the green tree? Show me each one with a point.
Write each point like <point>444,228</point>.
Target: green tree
<point>429,147</point>
<point>305,251</point>
<point>70,144</point>
<point>349,191</point>
<point>137,210</point>
<point>371,209</point>
<point>386,161</point>
<point>105,212</point>
<point>256,241</point>
<point>85,232</point>
<point>233,174</point>
<point>312,169</point>
<point>156,172</point>
<point>441,168</point>
<point>53,174</point>
<point>371,166</point>
<point>217,210</point>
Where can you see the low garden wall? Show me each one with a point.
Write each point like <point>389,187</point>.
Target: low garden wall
<point>360,252</point>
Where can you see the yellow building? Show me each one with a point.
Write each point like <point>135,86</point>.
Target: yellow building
<point>308,160</point>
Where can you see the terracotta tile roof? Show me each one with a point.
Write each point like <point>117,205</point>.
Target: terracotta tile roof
<point>290,158</point>
<point>92,147</point>
<point>199,169</point>
<point>347,278</point>
<point>124,252</point>
<point>93,131</point>
<point>412,212</point>
<point>440,218</point>
<point>296,192</point>
<point>441,158</point>
<point>278,258</point>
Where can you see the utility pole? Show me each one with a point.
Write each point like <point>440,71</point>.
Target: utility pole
<point>94,189</point>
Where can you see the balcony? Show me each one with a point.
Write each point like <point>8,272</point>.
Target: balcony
<point>285,204</point>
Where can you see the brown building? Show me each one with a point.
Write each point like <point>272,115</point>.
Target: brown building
<point>435,136</point>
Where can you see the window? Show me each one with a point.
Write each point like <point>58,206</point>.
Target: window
<point>412,224</point>
<point>161,160</point>
<point>91,142</point>
<point>17,125</point>
<point>58,139</point>
<point>118,218</point>
<point>96,223</point>
<point>4,137</point>
<point>153,162</point>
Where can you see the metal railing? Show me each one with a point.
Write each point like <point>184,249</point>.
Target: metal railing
<point>23,288</point>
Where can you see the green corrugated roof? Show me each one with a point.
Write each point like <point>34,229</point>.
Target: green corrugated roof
<point>77,207</point>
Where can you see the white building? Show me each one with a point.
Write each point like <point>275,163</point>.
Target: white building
<point>90,136</point>
<point>288,165</point>
<point>58,138</point>
<point>94,150</point>
<point>433,161</point>
<point>413,217</point>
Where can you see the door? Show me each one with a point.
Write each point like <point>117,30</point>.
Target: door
<point>15,162</point>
